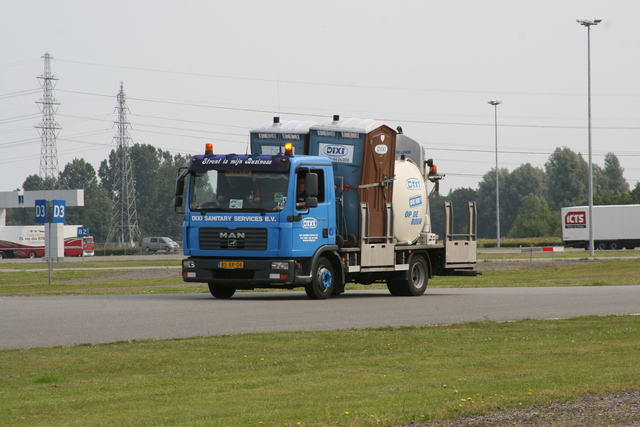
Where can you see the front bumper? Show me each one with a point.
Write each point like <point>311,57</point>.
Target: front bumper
<point>253,273</point>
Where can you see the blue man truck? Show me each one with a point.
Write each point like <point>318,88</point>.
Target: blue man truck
<point>340,201</point>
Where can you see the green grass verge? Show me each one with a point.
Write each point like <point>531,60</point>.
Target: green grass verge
<point>568,255</point>
<point>602,273</point>
<point>73,263</point>
<point>375,377</point>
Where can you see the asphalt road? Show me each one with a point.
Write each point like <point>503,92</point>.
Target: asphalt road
<point>45,321</point>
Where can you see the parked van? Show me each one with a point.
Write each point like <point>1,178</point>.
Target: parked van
<point>159,244</point>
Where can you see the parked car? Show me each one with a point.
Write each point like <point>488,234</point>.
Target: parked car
<point>159,244</point>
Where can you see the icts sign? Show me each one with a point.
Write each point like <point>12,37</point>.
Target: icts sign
<point>575,220</point>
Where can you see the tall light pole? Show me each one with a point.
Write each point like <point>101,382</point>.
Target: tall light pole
<point>588,24</point>
<point>495,103</point>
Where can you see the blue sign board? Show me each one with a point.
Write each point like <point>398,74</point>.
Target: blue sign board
<point>58,211</point>
<point>83,231</point>
<point>41,211</point>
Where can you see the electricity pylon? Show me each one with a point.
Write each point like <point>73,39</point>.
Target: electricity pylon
<point>124,230</point>
<point>48,128</point>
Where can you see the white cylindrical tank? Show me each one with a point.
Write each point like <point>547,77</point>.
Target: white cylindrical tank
<point>409,201</point>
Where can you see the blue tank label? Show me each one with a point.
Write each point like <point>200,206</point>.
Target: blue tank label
<point>413,184</point>
<point>415,201</point>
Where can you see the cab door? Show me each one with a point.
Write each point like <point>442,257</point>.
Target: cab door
<point>313,226</point>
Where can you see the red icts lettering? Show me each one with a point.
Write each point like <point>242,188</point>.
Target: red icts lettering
<point>575,218</point>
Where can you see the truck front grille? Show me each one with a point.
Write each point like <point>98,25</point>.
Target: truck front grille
<point>248,239</point>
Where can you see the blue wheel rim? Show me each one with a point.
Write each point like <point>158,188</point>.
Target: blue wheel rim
<point>325,278</point>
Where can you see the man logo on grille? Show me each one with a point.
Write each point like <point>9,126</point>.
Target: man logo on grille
<point>225,235</point>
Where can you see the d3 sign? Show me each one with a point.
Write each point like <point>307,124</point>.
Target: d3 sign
<point>41,211</point>
<point>58,211</point>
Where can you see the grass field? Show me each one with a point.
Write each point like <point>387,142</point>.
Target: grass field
<point>374,377</point>
<point>96,277</point>
<point>377,377</point>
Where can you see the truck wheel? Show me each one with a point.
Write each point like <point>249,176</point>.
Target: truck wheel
<point>395,287</point>
<point>221,291</point>
<point>613,245</point>
<point>417,280</point>
<point>323,280</point>
<point>418,276</point>
<point>2,255</point>
<point>32,254</point>
<point>601,246</point>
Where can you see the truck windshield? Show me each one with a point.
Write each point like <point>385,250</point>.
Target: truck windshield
<point>248,191</point>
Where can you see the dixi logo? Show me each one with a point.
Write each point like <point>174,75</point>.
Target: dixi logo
<point>413,184</point>
<point>380,149</point>
<point>335,150</point>
<point>309,223</point>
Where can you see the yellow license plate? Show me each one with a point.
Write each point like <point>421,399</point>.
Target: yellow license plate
<point>231,264</point>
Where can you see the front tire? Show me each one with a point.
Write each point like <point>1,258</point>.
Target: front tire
<point>221,291</point>
<point>32,254</point>
<point>323,280</point>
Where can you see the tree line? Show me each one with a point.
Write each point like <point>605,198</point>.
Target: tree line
<point>530,197</point>
<point>154,173</point>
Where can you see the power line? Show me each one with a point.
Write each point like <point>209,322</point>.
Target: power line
<point>19,118</point>
<point>20,93</point>
<point>295,113</point>
<point>340,85</point>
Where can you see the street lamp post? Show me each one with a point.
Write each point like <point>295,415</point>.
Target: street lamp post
<point>588,24</point>
<point>495,103</point>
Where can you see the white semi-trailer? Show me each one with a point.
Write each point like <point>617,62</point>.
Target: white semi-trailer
<point>614,226</point>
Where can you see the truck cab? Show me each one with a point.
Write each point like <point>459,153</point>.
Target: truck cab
<point>246,226</point>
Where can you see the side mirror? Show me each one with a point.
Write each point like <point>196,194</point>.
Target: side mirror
<point>178,201</point>
<point>311,202</point>
<point>178,205</point>
<point>182,173</point>
<point>312,185</point>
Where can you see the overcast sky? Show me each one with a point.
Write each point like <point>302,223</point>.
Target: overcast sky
<point>209,71</point>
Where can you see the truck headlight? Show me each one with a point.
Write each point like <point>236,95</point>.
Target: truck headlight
<point>279,265</point>
<point>188,264</point>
